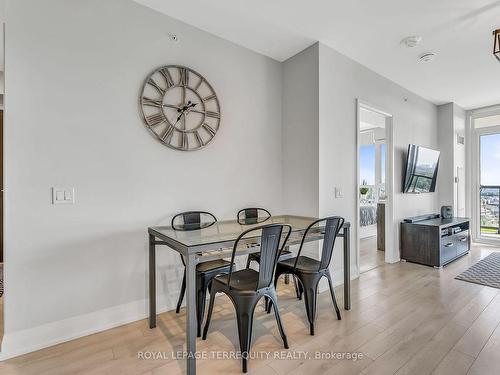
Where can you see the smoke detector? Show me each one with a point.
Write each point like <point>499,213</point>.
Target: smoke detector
<point>173,37</point>
<point>411,41</point>
<point>427,57</point>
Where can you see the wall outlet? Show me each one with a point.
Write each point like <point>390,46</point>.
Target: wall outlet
<point>338,193</point>
<point>63,195</point>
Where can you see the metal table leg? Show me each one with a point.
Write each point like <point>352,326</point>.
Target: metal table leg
<point>347,268</point>
<point>152,282</point>
<point>191,321</point>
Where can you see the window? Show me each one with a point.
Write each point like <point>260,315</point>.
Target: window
<point>367,165</point>
<point>490,159</point>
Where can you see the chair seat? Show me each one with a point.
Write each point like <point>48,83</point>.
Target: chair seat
<point>304,264</point>
<point>246,279</point>
<point>284,254</point>
<point>212,265</point>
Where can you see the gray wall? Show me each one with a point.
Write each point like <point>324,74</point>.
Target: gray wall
<point>74,72</point>
<point>341,82</point>
<point>445,186</point>
<point>459,119</point>
<point>451,123</point>
<point>300,132</point>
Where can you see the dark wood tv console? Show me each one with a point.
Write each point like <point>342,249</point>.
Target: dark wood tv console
<point>435,242</point>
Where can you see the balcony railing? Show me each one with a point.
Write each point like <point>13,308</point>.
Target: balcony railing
<point>489,198</point>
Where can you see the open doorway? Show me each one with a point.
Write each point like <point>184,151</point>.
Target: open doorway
<point>373,191</point>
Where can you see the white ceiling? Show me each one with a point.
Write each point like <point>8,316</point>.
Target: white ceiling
<point>459,31</point>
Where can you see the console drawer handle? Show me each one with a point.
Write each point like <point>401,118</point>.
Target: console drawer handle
<point>449,244</point>
<point>463,239</point>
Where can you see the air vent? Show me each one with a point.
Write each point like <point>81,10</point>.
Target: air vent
<point>427,57</point>
<point>411,41</point>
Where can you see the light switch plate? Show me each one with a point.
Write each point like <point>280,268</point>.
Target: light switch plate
<point>338,193</point>
<point>63,195</point>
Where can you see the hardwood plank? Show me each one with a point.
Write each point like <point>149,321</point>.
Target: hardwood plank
<point>480,331</point>
<point>454,363</point>
<point>488,361</point>
<point>432,353</point>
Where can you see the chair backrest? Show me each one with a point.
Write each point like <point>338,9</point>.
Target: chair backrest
<point>333,225</point>
<point>252,215</point>
<point>270,251</point>
<point>192,220</point>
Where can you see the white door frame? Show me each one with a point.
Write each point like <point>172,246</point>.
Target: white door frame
<point>476,179</point>
<point>391,250</point>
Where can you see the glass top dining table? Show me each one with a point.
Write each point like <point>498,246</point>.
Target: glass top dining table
<point>215,241</point>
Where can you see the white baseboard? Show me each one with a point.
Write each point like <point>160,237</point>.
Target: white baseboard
<point>394,260</point>
<point>43,336</point>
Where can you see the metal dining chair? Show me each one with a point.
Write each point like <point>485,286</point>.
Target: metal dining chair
<point>246,287</point>
<point>249,216</point>
<point>309,271</point>
<point>254,215</point>
<point>205,272</point>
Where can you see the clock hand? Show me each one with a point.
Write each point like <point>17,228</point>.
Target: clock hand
<point>198,111</point>
<point>178,118</point>
<point>179,109</point>
<point>172,106</point>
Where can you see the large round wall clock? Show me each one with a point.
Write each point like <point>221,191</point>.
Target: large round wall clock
<point>180,108</point>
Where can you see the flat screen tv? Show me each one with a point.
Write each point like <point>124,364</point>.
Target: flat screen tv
<point>421,170</point>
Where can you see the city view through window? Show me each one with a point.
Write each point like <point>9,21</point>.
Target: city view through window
<point>490,184</point>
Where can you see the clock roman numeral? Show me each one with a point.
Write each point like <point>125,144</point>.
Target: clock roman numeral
<point>209,129</point>
<point>184,77</point>
<point>212,114</point>
<point>184,141</point>
<point>198,84</point>
<point>167,135</point>
<point>210,97</point>
<point>207,113</point>
<point>152,82</point>
<point>168,77</point>
<point>151,102</point>
<point>155,119</point>
<point>198,138</point>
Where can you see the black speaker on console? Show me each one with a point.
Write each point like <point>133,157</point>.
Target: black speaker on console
<point>447,212</point>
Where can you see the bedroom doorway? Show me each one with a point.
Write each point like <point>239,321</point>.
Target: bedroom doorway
<point>372,188</point>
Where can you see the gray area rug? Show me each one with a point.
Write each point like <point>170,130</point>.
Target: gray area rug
<point>485,272</point>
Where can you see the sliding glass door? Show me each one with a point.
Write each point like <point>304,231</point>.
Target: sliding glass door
<point>487,186</point>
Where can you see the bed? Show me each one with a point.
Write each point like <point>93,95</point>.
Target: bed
<point>367,220</point>
<point>367,215</point>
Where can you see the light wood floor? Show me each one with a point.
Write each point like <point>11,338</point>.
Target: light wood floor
<point>405,319</point>
<point>369,256</point>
